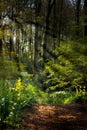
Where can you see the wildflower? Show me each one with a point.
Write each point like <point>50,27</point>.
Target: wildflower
<point>19,85</point>
<point>18,94</point>
<point>13,89</point>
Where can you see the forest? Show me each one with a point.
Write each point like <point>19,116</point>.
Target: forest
<point>43,55</point>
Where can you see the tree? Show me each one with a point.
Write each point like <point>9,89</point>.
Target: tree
<point>1,44</point>
<point>78,10</point>
<point>50,4</point>
<point>85,17</point>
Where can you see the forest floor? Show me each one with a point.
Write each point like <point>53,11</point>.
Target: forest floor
<point>55,117</point>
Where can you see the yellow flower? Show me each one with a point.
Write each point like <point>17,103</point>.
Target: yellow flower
<point>19,84</point>
<point>18,94</point>
<point>12,88</point>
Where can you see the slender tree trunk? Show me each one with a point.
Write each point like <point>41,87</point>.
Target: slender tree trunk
<point>60,21</point>
<point>54,24</point>
<point>1,44</point>
<point>85,18</point>
<point>36,43</point>
<point>36,50</point>
<point>17,50</point>
<point>78,4</point>
<point>10,47</point>
<point>49,10</point>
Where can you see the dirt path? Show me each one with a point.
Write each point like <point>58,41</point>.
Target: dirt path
<point>59,117</point>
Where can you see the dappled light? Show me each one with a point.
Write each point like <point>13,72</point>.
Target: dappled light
<point>43,64</point>
<point>58,117</point>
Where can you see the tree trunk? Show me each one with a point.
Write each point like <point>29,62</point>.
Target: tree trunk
<point>54,24</point>
<point>60,21</point>
<point>78,3</point>
<point>85,18</point>
<point>49,10</point>
<point>1,47</point>
<point>36,42</point>
<point>10,47</point>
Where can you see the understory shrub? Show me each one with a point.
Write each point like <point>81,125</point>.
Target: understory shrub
<point>66,97</point>
<point>15,95</point>
<point>69,70</point>
<point>13,98</point>
<point>9,69</point>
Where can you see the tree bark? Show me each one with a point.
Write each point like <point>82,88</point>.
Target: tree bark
<point>85,18</point>
<point>1,44</point>
<point>78,4</point>
<point>60,21</point>
<point>49,10</point>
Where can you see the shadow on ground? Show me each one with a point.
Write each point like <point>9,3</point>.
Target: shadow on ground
<point>55,117</point>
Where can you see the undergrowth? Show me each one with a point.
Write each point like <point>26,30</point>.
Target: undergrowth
<point>63,81</point>
<point>17,95</point>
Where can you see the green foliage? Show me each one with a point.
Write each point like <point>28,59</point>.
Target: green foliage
<point>70,68</point>
<point>81,97</point>
<point>14,97</point>
<point>62,97</point>
<point>60,78</point>
<point>67,97</point>
<point>9,69</point>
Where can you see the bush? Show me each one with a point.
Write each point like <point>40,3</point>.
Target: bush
<point>9,69</point>
<point>70,68</point>
<point>13,98</point>
<point>67,97</point>
<point>15,95</point>
<point>81,97</point>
